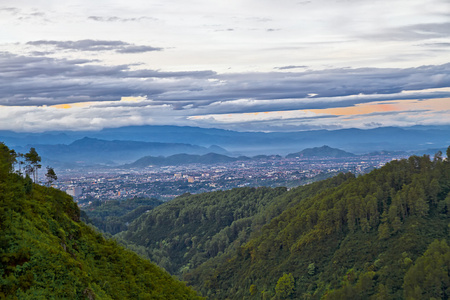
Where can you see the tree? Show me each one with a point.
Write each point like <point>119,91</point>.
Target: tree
<point>51,176</point>
<point>285,286</point>
<point>253,290</point>
<point>437,157</point>
<point>429,277</point>
<point>20,161</point>
<point>33,159</point>
<point>7,160</point>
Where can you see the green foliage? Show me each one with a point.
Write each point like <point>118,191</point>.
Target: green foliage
<point>362,235</point>
<point>114,216</point>
<point>47,253</point>
<point>51,176</point>
<point>185,232</point>
<point>33,159</point>
<point>285,286</point>
<point>429,277</point>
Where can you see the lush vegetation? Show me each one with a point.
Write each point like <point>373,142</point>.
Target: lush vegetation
<point>113,216</point>
<point>185,232</point>
<point>383,235</point>
<point>46,252</point>
<point>378,236</point>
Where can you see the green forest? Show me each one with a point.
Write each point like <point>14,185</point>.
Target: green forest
<point>46,252</point>
<point>113,216</point>
<point>382,235</point>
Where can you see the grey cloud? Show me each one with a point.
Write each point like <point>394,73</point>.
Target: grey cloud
<point>119,19</point>
<point>227,29</point>
<point>37,14</point>
<point>46,81</point>
<point>290,67</point>
<point>12,10</point>
<point>373,124</point>
<point>95,45</point>
<point>440,45</point>
<point>43,80</point>
<point>413,32</point>
<point>138,49</point>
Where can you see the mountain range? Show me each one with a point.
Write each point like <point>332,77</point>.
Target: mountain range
<point>90,151</point>
<point>253,143</point>
<point>116,146</point>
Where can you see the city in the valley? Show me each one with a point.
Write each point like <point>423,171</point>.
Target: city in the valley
<point>167,182</point>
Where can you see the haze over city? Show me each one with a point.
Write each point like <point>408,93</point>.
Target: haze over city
<point>240,65</point>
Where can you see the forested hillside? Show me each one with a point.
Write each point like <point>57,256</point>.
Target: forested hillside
<point>383,235</point>
<point>113,216</point>
<point>183,233</point>
<point>47,253</point>
<point>378,236</point>
<point>190,230</point>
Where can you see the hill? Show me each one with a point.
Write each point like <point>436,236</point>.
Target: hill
<point>183,159</point>
<point>46,252</point>
<point>324,152</point>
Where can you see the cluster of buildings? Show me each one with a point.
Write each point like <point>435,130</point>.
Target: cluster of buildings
<point>170,181</point>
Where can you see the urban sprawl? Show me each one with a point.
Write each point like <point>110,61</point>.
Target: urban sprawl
<point>168,182</point>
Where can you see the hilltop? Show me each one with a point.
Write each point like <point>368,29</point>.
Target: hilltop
<point>324,151</point>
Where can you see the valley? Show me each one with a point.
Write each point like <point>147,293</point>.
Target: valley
<point>167,182</point>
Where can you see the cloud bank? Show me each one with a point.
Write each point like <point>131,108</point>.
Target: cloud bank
<point>252,65</point>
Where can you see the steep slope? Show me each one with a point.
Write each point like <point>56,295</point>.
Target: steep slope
<point>113,216</point>
<point>378,236</point>
<point>47,253</point>
<point>190,230</point>
<point>186,231</point>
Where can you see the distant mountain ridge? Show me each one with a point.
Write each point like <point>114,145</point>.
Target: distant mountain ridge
<point>183,159</point>
<point>323,152</point>
<point>254,143</point>
<point>96,151</point>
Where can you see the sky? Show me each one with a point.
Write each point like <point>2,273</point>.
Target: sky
<point>247,65</point>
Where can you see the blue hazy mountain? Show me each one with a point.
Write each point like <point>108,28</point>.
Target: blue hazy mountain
<point>183,159</point>
<point>87,151</point>
<point>254,143</point>
<point>324,151</point>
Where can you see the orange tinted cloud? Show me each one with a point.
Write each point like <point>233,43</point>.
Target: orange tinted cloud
<point>398,105</point>
<point>72,105</point>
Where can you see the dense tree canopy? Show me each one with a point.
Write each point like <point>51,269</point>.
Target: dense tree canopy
<point>46,252</point>
<point>361,239</point>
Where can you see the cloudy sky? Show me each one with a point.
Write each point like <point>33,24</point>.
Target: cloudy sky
<point>248,65</point>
